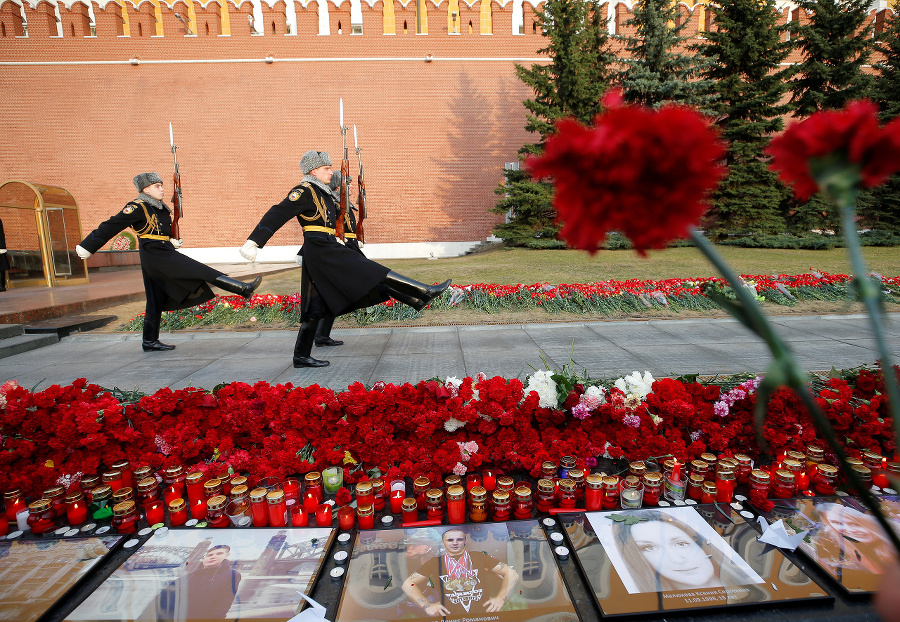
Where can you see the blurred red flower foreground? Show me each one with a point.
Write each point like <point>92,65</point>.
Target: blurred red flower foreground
<point>642,172</point>
<point>848,141</point>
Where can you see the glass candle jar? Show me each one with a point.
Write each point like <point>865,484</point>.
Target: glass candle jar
<point>241,480</point>
<point>814,456</point>
<point>141,472</point>
<point>113,479</point>
<point>364,494</point>
<point>632,493</point>
<point>876,463</point>
<point>864,474</point>
<point>15,503</point>
<point>291,488</point>
<point>100,498</point>
<point>178,512</point>
<point>783,485</point>
<point>122,494</point>
<point>277,507</point>
<point>472,480</point>
<point>695,486</point>
<point>506,484</point>
<point>567,497</point>
<point>478,504</point>
<point>799,456</point>
<point>41,516</point>
<point>760,481</point>
<point>238,501</point>
<point>637,468</point>
<point>523,502</point>
<point>420,486</point>
<point>56,495</point>
<point>194,483</point>
<point>700,467</point>
<point>410,510</point>
<point>652,488</point>
<point>744,467</point>
<point>825,481</point>
<point>379,494</point>
<point>155,512</point>
<point>313,482</point>
<point>725,482</point>
<point>434,503</point>
<point>549,470</point>
<point>708,492</point>
<point>798,468</point>
<point>125,517</point>
<point>710,460</point>
<point>489,480</point>
<point>215,512</point>
<point>456,505</point>
<point>565,464</point>
<point>631,481</point>
<point>88,483</point>
<point>76,508</point>
<point>147,491</point>
<point>124,467</point>
<point>173,477</point>
<point>593,492</point>
<point>258,510</point>
<point>452,480</point>
<point>502,506</point>
<point>577,476</point>
<point>610,492</point>
<point>366,515</point>
<point>546,495</point>
<point>212,488</point>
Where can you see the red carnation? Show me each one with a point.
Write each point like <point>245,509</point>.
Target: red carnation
<point>850,137</point>
<point>640,171</point>
<point>343,497</point>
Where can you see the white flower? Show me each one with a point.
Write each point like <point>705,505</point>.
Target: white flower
<point>452,384</point>
<point>542,382</point>
<point>453,424</point>
<point>637,384</point>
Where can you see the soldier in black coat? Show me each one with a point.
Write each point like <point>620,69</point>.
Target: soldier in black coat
<point>172,281</point>
<point>4,260</point>
<point>335,279</point>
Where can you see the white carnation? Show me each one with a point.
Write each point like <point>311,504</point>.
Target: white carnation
<point>453,424</point>
<point>542,382</point>
<point>636,384</point>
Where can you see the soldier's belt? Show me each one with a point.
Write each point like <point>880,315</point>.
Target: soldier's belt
<point>350,235</point>
<point>150,236</point>
<point>320,229</point>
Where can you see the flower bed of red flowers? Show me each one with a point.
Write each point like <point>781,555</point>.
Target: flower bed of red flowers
<point>601,297</point>
<point>430,428</point>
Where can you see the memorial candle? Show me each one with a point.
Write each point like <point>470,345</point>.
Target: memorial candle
<point>124,467</point>
<point>113,479</point>
<point>378,491</point>
<point>472,480</point>
<point>291,488</point>
<point>593,494</point>
<point>489,480</point>
<point>76,508</point>
<point>410,510</point>
<point>310,501</point>
<point>258,510</point>
<point>170,494</point>
<point>456,505</point>
<point>177,512</point>
<point>198,509</point>
<point>313,481</point>
<point>397,501</point>
<point>277,508</point>
<point>299,516</point>
<point>194,483</point>
<point>364,494</point>
<point>366,516</point>
<point>346,518</point>
<point>155,512</point>
<point>324,518</point>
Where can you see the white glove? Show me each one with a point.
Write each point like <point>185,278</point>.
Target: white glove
<point>249,249</point>
<point>82,252</point>
<point>177,243</point>
<point>2,250</point>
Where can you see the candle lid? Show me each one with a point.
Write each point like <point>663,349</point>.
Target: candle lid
<point>422,482</point>
<point>195,477</point>
<point>653,478</point>
<point>111,476</point>
<point>725,476</point>
<point>708,457</point>
<point>791,465</point>
<point>829,470</point>
<point>275,496</point>
<point>699,465</point>
<point>784,475</point>
<point>610,481</point>
<point>708,487</point>
<point>893,467</point>
<point>548,467</point>
<point>546,485</point>
<point>121,465</point>
<point>731,462</point>
<point>126,493</point>
<point>632,481</point>
<point>814,452</point>
<point>55,491</point>
<point>363,488</point>
<point>758,475</point>
<point>523,492</point>
<point>576,475</point>
<point>313,477</point>
<point>566,484</point>
<point>89,481</point>
<point>212,485</point>
<point>124,508</point>
<point>174,471</point>
<point>502,496</point>
<point>743,459</point>
<point>147,484</point>
<point>41,505</point>
<point>218,502</point>
<point>74,496</point>
<point>505,481</point>
<point>258,494</point>
<point>101,492</point>
<point>452,480</point>
<point>378,484</point>
<point>696,479</point>
<point>872,456</point>
<point>863,471</point>
<point>434,495</point>
<point>239,491</point>
<point>852,461</point>
<point>365,510</point>
<point>478,493</point>
<point>567,462</point>
<point>456,493</point>
<point>143,471</point>
<point>176,505</point>
<point>238,480</point>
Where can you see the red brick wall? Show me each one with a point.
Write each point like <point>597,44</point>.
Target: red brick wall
<point>435,135</point>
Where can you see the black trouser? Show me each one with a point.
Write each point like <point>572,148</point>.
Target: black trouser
<point>156,297</point>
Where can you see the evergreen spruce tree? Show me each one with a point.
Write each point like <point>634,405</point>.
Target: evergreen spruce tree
<point>657,67</point>
<point>834,48</point>
<point>569,86</point>
<point>881,210</point>
<point>746,50</point>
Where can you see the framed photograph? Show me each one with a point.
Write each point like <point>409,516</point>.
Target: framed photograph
<point>491,571</point>
<point>212,574</point>
<point>681,558</point>
<point>844,539</point>
<point>34,574</point>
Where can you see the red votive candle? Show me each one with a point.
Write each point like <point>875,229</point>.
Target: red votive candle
<point>177,513</point>
<point>489,480</point>
<point>113,478</point>
<point>472,480</point>
<point>156,513</point>
<point>76,508</point>
<point>299,516</point>
<point>378,491</point>
<point>410,510</point>
<point>366,515</point>
<point>365,495</point>
<point>194,483</point>
<point>277,508</point>
<point>313,481</point>
<point>456,505</point>
<point>258,510</point>
<point>291,488</point>
<point>708,492</point>
<point>170,494</point>
<point>124,467</point>
<point>397,501</point>
<point>593,493</point>
<point>15,503</point>
<point>346,518</point>
<point>310,502</point>
<point>324,517</point>
<point>652,488</point>
<point>198,509</point>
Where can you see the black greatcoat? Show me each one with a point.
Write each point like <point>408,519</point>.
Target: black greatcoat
<point>345,279</point>
<point>172,281</point>
<point>4,260</point>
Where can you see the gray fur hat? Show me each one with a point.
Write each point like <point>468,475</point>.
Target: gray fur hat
<point>335,181</point>
<point>313,160</point>
<point>146,179</point>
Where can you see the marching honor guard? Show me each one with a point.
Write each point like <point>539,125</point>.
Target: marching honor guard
<point>334,279</point>
<point>172,281</point>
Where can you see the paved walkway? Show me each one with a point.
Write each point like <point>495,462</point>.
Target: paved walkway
<point>605,349</point>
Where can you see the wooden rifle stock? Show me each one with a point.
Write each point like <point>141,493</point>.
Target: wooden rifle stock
<point>361,206</point>
<point>176,205</point>
<point>345,176</point>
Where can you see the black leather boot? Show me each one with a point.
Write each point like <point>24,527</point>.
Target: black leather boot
<point>237,287</point>
<point>323,333</point>
<point>151,342</point>
<point>417,294</point>
<point>303,347</point>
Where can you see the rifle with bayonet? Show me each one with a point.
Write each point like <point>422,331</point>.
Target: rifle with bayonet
<point>176,194</point>
<point>361,197</point>
<point>345,177</point>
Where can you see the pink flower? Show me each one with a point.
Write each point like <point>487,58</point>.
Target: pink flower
<point>581,411</point>
<point>632,421</point>
<point>459,469</point>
